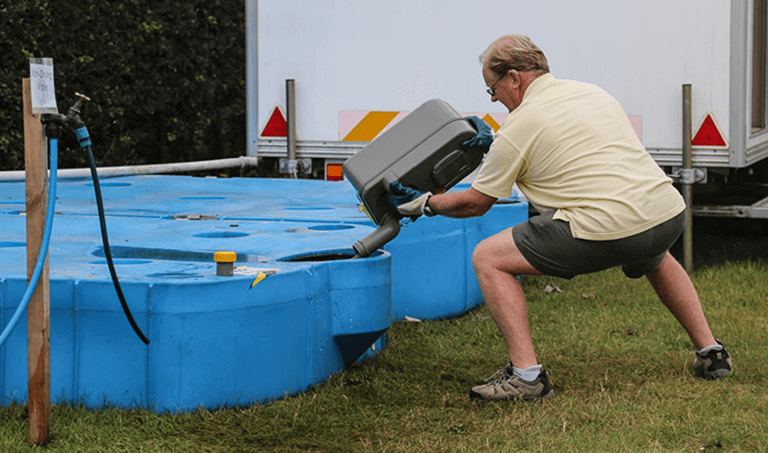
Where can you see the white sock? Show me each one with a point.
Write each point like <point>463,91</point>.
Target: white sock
<point>717,347</point>
<point>528,374</point>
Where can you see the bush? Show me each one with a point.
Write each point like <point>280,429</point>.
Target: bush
<point>166,79</point>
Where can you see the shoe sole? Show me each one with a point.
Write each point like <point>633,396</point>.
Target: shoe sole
<point>474,396</point>
<point>717,374</point>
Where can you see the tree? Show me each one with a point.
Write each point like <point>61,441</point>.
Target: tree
<point>166,79</point>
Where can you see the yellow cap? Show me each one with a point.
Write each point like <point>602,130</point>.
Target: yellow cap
<point>224,256</point>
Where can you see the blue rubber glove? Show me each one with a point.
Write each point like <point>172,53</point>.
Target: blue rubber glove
<point>484,136</point>
<point>408,201</point>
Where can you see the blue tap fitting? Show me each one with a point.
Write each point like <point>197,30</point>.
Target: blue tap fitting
<point>83,137</point>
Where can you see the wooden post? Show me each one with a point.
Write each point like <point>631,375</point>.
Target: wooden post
<point>38,311</point>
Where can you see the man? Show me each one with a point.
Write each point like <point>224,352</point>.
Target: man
<point>603,201</point>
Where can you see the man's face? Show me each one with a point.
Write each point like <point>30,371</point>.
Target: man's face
<point>506,88</point>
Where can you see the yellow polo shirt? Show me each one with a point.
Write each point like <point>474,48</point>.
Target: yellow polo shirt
<point>571,148</point>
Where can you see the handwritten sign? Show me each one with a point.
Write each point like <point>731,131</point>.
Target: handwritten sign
<point>41,83</point>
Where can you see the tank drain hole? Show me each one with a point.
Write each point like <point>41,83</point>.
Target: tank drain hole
<point>119,262</point>
<point>332,227</point>
<point>221,234</point>
<point>319,257</point>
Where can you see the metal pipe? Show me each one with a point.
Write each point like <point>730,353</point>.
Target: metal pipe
<point>686,182</point>
<point>252,75</point>
<point>290,101</point>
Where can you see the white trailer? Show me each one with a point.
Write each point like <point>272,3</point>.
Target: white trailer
<point>354,60</point>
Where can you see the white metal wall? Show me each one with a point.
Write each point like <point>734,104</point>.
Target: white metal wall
<point>396,54</point>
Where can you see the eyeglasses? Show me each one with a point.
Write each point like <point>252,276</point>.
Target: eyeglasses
<point>492,89</point>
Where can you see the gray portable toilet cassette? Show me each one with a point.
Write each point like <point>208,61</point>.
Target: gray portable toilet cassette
<point>422,151</point>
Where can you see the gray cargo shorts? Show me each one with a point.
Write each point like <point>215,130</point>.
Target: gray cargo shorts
<point>550,248</point>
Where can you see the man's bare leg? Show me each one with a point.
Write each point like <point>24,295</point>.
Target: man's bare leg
<point>497,263</point>
<point>674,288</point>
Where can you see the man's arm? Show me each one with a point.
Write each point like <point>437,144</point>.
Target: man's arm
<point>468,203</point>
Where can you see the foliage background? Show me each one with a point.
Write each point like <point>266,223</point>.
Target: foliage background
<point>166,78</point>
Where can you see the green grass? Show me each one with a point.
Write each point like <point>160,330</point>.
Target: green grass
<point>620,366</point>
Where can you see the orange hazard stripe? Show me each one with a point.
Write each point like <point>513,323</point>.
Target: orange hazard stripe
<point>491,122</point>
<point>370,126</point>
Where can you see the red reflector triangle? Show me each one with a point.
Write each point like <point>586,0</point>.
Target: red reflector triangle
<point>276,126</point>
<point>708,134</point>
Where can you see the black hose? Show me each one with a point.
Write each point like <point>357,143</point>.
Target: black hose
<point>107,252</point>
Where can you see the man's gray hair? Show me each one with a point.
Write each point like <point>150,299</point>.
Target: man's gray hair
<point>514,52</point>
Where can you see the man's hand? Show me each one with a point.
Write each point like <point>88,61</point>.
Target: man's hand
<point>484,136</point>
<point>408,201</point>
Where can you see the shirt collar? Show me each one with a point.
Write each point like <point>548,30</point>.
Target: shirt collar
<point>538,85</point>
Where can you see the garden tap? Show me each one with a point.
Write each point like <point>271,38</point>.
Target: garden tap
<point>54,121</point>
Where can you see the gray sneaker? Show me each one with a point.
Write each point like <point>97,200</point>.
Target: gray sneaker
<point>508,387</point>
<point>714,364</point>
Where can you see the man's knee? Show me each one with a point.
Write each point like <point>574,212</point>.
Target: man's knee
<point>499,252</point>
<point>481,254</point>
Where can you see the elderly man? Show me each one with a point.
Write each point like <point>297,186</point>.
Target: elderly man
<point>604,202</point>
